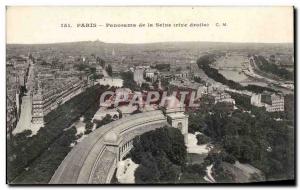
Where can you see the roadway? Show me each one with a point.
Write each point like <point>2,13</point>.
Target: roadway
<point>24,122</point>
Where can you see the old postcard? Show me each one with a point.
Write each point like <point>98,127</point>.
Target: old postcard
<point>150,95</point>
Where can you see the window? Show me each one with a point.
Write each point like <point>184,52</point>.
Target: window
<point>179,126</point>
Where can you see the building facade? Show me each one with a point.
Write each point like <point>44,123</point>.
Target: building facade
<point>44,101</point>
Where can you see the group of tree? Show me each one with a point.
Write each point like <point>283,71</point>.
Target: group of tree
<point>269,67</point>
<point>162,158</point>
<point>217,157</point>
<point>128,81</point>
<point>253,137</point>
<point>193,173</point>
<point>243,102</point>
<point>107,119</point>
<point>109,70</point>
<point>163,67</point>
<point>100,61</point>
<point>199,80</point>
<point>202,139</point>
<point>161,155</point>
<point>83,67</point>
<point>145,86</point>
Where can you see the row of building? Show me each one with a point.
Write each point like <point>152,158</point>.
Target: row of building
<point>53,87</point>
<point>47,83</point>
<point>47,98</point>
<point>143,74</point>
<point>17,68</point>
<point>271,101</point>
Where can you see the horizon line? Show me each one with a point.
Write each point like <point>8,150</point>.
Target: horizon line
<point>136,43</point>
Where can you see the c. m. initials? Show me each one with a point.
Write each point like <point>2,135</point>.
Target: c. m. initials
<point>224,24</point>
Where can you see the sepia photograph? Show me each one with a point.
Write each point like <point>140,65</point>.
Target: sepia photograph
<point>155,95</point>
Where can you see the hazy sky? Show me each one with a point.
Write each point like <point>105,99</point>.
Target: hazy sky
<point>244,24</point>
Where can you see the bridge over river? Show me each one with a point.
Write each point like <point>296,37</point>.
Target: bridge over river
<point>95,159</point>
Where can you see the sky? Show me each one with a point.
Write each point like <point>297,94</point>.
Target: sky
<point>31,25</point>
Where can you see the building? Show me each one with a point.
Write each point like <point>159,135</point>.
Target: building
<point>175,115</point>
<point>138,76</point>
<point>127,110</point>
<point>99,70</point>
<point>103,112</point>
<point>256,100</point>
<point>276,103</point>
<point>182,75</point>
<point>37,109</point>
<point>185,84</point>
<point>11,116</point>
<point>49,97</point>
<point>272,102</point>
<point>172,104</point>
<point>223,97</point>
<point>201,90</point>
<point>113,82</point>
<point>210,99</point>
<point>151,74</point>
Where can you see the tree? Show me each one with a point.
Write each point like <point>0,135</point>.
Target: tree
<point>199,169</point>
<point>107,119</point>
<point>178,69</point>
<point>145,86</point>
<point>109,70</point>
<point>147,172</point>
<point>202,139</point>
<point>128,81</point>
<point>93,70</point>
<point>161,154</point>
<point>88,128</point>
<point>272,68</point>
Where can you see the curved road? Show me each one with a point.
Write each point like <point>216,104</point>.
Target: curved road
<point>92,161</point>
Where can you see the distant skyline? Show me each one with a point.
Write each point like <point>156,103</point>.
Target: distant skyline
<point>42,25</point>
<point>150,42</point>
